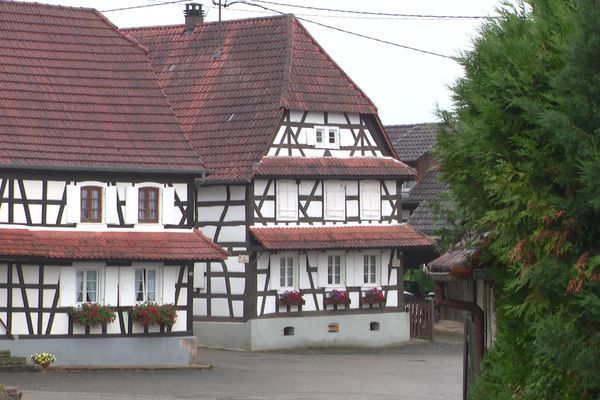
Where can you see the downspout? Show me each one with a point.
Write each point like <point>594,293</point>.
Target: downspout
<point>476,313</point>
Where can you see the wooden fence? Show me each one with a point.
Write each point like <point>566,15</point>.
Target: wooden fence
<point>421,319</point>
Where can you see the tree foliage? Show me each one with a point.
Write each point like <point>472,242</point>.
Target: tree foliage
<point>521,152</point>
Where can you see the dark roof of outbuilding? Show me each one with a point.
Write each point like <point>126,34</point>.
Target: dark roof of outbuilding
<point>428,188</point>
<point>414,140</point>
<point>75,93</point>
<point>230,82</point>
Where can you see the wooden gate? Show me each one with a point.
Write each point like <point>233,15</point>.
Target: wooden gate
<point>420,314</point>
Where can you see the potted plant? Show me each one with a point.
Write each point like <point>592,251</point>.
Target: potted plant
<point>92,314</point>
<point>43,359</point>
<point>338,297</point>
<point>149,313</point>
<point>290,297</point>
<point>373,296</point>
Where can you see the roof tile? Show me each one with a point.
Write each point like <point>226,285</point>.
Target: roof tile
<point>341,237</point>
<point>78,245</point>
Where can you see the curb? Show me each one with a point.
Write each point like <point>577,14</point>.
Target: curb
<point>127,368</point>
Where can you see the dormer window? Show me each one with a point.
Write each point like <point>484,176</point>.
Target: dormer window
<point>327,137</point>
<point>148,205</point>
<point>91,204</point>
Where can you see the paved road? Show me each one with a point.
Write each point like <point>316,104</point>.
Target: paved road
<point>422,371</point>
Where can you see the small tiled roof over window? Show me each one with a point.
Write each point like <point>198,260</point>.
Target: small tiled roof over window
<point>75,93</point>
<point>341,237</point>
<point>290,167</point>
<point>230,83</point>
<point>414,140</point>
<point>107,246</point>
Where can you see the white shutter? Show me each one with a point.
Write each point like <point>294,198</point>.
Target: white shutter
<point>287,200</point>
<point>350,269</point>
<point>335,200</point>
<point>67,287</point>
<point>111,205</point>
<point>168,201</point>
<point>111,283</point>
<point>370,200</point>
<point>126,286</point>
<point>73,204</point>
<point>199,278</point>
<point>131,205</point>
<point>322,270</point>
<point>275,275</point>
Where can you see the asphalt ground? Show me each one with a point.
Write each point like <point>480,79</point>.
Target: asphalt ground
<point>417,370</point>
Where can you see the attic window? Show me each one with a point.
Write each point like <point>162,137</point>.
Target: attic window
<point>172,68</point>
<point>326,137</point>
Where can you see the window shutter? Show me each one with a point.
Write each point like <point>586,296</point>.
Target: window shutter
<point>168,201</point>
<point>131,205</point>
<point>322,270</point>
<point>110,205</point>
<point>274,278</point>
<point>287,200</point>
<point>370,199</point>
<point>73,204</point>
<point>350,269</point>
<point>126,286</point>
<point>67,286</point>
<point>335,206</point>
<point>199,278</point>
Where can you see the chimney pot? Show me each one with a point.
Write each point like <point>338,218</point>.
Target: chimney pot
<point>193,16</point>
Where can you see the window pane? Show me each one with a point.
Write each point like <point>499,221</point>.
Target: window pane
<point>366,269</point>
<point>332,137</point>
<point>142,205</point>
<point>282,271</point>
<point>319,135</point>
<point>91,279</point>
<point>79,286</point>
<point>139,285</point>
<point>338,270</point>
<point>290,273</point>
<point>329,270</point>
<point>373,269</point>
<point>151,285</point>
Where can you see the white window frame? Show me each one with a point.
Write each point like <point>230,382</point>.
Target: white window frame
<point>283,277</point>
<point>330,196</point>
<point>326,132</point>
<point>285,211</point>
<point>157,279</point>
<point>370,192</point>
<point>328,266</point>
<point>377,282</point>
<point>84,273</point>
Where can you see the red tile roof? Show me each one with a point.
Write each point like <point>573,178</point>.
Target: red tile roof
<point>341,237</point>
<point>78,245</point>
<point>230,82</point>
<point>333,167</point>
<point>76,93</point>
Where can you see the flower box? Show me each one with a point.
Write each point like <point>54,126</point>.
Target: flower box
<point>92,314</point>
<point>373,296</point>
<point>147,314</point>
<point>291,298</point>
<point>337,297</point>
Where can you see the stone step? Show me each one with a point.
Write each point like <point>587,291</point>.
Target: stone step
<point>20,368</point>
<point>13,361</point>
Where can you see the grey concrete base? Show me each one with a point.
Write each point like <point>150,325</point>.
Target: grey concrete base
<point>111,351</point>
<point>359,330</point>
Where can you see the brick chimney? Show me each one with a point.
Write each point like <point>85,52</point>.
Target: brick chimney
<point>193,16</point>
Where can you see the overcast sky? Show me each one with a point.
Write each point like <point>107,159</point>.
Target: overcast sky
<point>404,84</point>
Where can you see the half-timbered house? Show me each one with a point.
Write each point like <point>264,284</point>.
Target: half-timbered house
<point>305,191</point>
<point>96,193</point>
